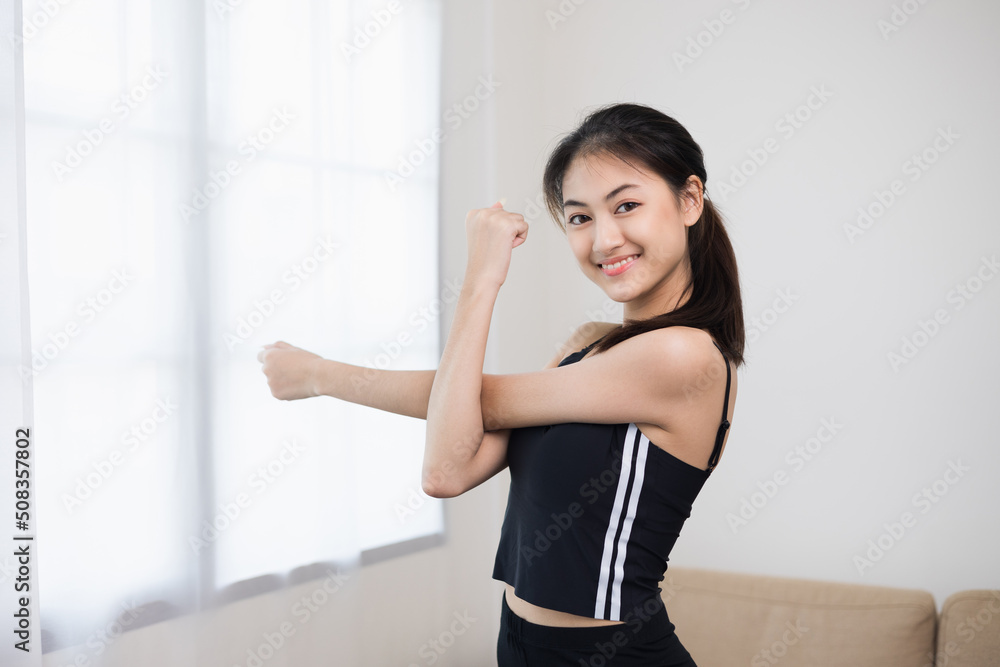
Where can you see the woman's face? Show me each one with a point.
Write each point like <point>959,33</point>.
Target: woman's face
<point>613,212</point>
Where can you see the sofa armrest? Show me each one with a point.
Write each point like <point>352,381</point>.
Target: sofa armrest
<point>969,629</point>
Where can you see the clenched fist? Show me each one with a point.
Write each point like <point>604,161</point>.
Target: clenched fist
<point>292,372</point>
<point>492,234</point>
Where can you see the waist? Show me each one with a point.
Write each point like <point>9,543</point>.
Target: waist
<point>544,616</point>
<point>645,623</point>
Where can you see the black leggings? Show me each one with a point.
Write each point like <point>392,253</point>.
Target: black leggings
<point>644,639</point>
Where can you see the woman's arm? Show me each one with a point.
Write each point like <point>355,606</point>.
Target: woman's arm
<point>492,455</point>
<point>400,392</point>
<point>455,408</point>
<point>293,373</point>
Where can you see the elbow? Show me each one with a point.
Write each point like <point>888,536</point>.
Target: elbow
<point>441,483</point>
<point>448,478</point>
<point>434,492</point>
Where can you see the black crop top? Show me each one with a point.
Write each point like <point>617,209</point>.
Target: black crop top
<point>593,512</point>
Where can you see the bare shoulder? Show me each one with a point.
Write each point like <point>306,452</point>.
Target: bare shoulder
<point>582,336</point>
<point>695,376</point>
<point>686,349</point>
<point>688,355</point>
<point>697,373</point>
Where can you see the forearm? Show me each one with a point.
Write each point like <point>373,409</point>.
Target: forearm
<point>454,410</point>
<point>400,392</point>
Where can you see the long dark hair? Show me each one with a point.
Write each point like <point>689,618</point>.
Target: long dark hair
<point>650,140</point>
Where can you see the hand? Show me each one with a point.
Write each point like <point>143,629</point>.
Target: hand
<point>492,233</point>
<point>291,371</point>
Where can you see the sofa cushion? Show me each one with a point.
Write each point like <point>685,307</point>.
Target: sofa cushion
<point>726,618</point>
<point>969,629</point>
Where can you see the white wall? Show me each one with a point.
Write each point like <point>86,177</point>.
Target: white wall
<point>826,356</point>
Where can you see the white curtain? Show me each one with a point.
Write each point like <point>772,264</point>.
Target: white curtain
<point>18,447</point>
<point>204,177</point>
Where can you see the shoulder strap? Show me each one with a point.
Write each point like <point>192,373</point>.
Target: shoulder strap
<point>721,435</point>
<point>586,349</point>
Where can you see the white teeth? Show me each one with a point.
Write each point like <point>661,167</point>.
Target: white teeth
<point>619,264</point>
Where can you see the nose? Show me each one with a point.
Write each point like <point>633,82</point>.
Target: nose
<point>607,236</point>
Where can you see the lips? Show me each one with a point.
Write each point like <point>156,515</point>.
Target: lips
<point>628,262</point>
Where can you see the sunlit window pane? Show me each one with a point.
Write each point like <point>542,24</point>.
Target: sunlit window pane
<point>187,203</point>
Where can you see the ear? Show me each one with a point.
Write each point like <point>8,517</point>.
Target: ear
<point>692,200</point>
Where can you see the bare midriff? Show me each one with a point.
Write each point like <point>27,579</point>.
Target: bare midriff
<point>543,616</point>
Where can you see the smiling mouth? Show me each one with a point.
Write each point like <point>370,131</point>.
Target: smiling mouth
<point>618,267</point>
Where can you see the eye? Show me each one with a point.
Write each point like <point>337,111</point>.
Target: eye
<point>569,221</point>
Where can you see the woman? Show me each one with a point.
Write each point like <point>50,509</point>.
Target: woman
<point>609,446</point>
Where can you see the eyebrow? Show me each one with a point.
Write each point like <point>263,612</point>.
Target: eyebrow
<point>620,188</point>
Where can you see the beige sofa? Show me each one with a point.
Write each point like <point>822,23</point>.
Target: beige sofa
<point>727,619</point>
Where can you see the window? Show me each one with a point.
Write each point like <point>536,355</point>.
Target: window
<point>204,177</point>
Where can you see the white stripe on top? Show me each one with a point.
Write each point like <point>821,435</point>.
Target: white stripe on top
<point>616,519</point>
